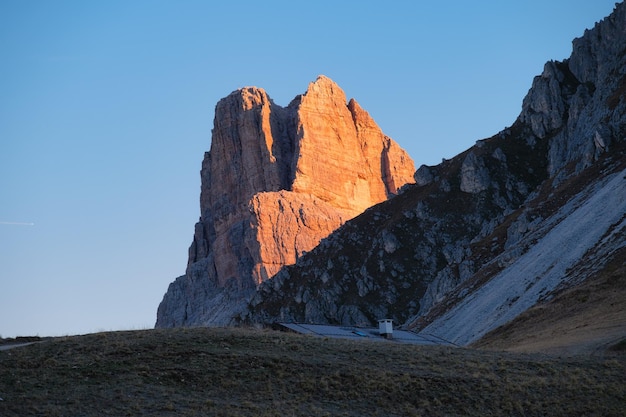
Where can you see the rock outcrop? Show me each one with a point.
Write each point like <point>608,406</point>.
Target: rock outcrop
<point>422,257</point>
<point>275,182</point>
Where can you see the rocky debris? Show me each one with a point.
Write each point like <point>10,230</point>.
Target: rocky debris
<point>468,219</point>
<point>423,175</point>
<point>474,175</point>
<point>275,182</point>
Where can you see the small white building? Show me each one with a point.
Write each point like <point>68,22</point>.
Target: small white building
<point>385,328</point>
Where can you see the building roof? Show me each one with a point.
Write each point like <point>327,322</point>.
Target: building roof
<point>364,333</point>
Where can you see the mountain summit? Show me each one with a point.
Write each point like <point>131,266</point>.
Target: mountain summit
<point>275,182</point>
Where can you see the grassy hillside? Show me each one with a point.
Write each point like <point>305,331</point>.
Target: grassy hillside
<point>239,372</point>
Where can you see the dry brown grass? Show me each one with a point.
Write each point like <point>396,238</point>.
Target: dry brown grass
<point>244,372</point>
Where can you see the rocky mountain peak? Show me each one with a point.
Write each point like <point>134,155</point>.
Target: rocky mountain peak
<point>275,182</point>
<point>354,148</point>
<point>325,92</point>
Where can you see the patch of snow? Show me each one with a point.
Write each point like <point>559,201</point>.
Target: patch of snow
<point>542,268</point>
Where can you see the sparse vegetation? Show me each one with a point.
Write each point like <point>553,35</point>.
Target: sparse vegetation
<point>619,346</point>
<point>243,372</point>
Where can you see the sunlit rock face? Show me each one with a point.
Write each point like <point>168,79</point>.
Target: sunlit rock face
<point>343,156</point>
<point>275,182</point>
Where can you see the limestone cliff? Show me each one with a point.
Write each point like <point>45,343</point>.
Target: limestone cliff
<point>489,233</point>
<point>275,182</point>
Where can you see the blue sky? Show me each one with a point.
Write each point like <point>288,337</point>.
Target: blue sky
<point>106,110</point>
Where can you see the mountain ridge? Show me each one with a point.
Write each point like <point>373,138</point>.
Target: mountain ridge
<point>464,226</point>
<point>471,217</point>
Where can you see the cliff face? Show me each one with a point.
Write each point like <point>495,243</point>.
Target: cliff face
<point>274,183</point>
<point>476,241</point>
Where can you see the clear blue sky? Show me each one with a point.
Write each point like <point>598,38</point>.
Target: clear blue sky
<point>106,109</point>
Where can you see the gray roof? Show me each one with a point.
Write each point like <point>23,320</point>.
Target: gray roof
<point>364,333</point>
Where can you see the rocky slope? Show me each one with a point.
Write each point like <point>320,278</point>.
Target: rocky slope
<point>275,182</point>
<point>488,234</point>
<point>586,319</point>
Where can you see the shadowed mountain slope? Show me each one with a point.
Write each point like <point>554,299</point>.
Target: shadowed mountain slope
<point>453,254</point>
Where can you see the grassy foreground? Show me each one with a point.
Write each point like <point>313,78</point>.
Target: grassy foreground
<point>243,372</point>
